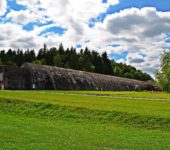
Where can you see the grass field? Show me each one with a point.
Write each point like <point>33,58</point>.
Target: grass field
<point>84,120</point>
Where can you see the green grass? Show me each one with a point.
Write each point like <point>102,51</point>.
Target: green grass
<point>84,120</point>
<point>145,94</point>
<point>160,108</point>
<point>28,133</point>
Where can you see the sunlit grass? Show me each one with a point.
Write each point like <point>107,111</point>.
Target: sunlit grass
<point>84,120</point>
<point>145,106</point>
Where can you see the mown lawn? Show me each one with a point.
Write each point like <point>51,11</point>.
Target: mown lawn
<point>28,133</point>
<point>144,94</point>
<point>149,106</point>
<point>84,120</point>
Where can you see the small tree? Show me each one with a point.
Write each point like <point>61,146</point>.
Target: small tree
<point>38,62</point>
<point>57,60</point>
<point>163,76</point>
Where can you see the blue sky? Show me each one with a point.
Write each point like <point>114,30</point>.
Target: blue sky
<point>12,4</point>
<point>135,32</point>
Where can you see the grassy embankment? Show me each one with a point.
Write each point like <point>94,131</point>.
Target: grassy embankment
<point>84,120</point>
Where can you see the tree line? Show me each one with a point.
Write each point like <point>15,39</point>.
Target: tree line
<point>84,60</point>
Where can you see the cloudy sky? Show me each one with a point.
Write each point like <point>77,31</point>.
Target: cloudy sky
<point>132,31</point>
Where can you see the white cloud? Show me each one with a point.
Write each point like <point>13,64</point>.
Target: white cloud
<point>3,7</point>
<point>15,37</point>
<point>135,58</point>
<point>140,31</point>
<point>21,17</point>
<point>31,4</point>
<point>120,61</point>
<point>72,15</point>
<point>145,22</point>
<point>117,50</point>
<point>67,13</point>
<point>24,17</point>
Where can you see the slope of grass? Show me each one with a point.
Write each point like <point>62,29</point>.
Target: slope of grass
<point>79,114</point>
<point>27,133</point>
<point>159,108</point>
<point>77,120</point>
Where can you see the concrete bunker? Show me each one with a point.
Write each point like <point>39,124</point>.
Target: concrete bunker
<point>43,77</point>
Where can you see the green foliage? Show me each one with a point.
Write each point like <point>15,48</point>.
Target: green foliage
<point>85,60</point>
<point>39,62</point>
<point>163,76</point>
<point>1,62</point>
<point>61,49</point>
<point>57,60</point>
<point>10,63</point>
<point>127,71</point>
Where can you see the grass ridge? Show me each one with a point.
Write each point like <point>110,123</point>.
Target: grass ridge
<point>78,114</point>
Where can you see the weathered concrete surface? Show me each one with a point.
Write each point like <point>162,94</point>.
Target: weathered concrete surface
<point>42,77</point>
<point>14,78</point>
